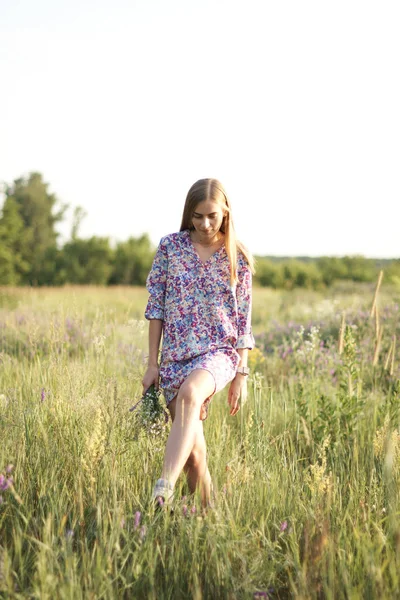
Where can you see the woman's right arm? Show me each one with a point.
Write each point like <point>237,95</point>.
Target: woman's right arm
<point>152,372</point>
<point>156,286</point>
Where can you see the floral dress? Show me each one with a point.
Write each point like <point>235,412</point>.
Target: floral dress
<point>205,319</point>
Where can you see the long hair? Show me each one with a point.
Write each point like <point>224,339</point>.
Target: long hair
<point>212,189</point>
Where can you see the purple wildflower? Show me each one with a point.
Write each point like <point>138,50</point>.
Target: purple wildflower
<point>69,534</point>
<point>4,483</point>
<point>184,510</point>
<point>138,514</point>
<point>9,468</point>
<point>260,594</point>
<point>42,395</point>
<point>283,526</point>
<point>193,510</point>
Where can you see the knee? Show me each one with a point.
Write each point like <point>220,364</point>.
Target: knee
<point>188,394</point>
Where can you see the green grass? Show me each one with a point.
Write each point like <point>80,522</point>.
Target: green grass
<point>306,477</point>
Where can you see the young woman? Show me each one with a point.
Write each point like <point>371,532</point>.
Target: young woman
<point>200,303</point>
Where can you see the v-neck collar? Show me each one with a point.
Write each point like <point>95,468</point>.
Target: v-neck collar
<point>193,249</point>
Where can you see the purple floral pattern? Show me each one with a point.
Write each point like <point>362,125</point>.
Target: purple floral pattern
<point>204,317</point>
<point>221,365</point>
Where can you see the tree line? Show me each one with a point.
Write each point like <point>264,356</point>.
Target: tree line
<point>30,253</point>
<point>320,273</point>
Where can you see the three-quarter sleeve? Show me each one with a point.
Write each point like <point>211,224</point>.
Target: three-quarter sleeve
<point>243,295</point>
<point>156,284</point>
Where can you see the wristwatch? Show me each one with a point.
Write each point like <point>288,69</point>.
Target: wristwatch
<point>243,371</point>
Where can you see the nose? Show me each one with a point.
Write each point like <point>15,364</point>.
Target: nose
<point>206,223</point>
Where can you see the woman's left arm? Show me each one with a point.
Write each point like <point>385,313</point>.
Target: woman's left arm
<point>245,339</point>
<point>238,388</point>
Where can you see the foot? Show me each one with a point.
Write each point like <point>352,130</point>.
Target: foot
<point>163,492</point>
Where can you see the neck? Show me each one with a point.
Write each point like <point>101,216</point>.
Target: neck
<point>197,239</point>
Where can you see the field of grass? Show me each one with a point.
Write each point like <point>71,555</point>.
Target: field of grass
<point>306,476</point>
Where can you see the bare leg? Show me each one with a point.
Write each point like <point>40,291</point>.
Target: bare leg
<point>196,468</point>
<point>192,393</point>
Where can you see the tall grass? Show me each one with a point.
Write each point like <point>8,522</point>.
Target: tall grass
<point>306,476</point>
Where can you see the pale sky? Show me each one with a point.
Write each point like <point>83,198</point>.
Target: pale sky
<point>293,105</point>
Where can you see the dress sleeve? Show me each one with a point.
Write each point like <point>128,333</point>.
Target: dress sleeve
<point>243,296</point>
<point>156,284</point>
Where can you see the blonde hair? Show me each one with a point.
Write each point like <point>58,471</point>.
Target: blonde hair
<point>212,189</point>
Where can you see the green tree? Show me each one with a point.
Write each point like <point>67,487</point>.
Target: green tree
<point>360,268</point>
<point>38,211</point>
<point>12,263</point>
<point>132,261</point>
<point>78,216</point>
<point>308,276</point>
<point>86,261</point>
<point>268,274</point>
<point>392,272</point>
<point>332,268</point>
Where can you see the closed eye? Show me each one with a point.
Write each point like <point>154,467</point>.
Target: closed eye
<point>211,216</point>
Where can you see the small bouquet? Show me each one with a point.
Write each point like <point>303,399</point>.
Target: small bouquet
<point>151,413</point>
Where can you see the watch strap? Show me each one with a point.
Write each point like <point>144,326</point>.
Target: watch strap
<point>243,371</point>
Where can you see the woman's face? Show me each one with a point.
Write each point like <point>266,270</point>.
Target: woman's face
<point>207,218</point>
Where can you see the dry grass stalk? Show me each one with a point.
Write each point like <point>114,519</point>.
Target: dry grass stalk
<point>377,347</point>
<point>393,353</point>
<point>389,354</point>
<point>378,285</point>
<point>377,323</point>
<point>341,333</point>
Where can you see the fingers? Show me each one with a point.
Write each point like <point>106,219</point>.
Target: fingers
<point>237,395</point>
<point>233,401</point>
<point>150,377</point>
<point>234,409</point>
<point>146,383</point>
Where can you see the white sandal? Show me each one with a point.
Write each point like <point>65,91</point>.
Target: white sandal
<point>163,489</point>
